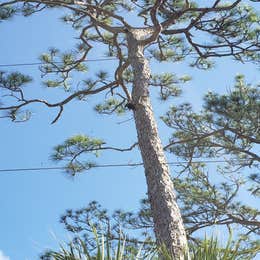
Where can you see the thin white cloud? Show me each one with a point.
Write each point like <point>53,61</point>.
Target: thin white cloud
<point>3,257</point>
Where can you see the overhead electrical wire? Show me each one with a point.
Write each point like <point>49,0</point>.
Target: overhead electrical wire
<point>41,63</point>
<point>94,166</point>
<point>110,165</point>
<point>60,62</point>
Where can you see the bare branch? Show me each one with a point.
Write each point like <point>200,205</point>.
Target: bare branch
<point>187,140</point>
<point>89,11</point>
<point>236,149</point>
<point>120,149</point>
<point>61,103</point>
<point>241,135</point>
<point>153,12</point>
<point>102,148</point>
<point>103,11</point>
<point>9,3</point>
<point>58,115</point>
<point>119,76</point>
<point>244,221</point>
<point>202,11</point>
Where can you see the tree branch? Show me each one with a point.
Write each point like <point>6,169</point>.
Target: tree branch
<point>202,11</point>
<point>198,138</point>
<point>61,103</point>
<point>87,11</point>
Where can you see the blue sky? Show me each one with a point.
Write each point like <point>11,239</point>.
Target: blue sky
<point>31,202</point>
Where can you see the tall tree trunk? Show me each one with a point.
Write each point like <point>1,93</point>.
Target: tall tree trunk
<point>168,225</point>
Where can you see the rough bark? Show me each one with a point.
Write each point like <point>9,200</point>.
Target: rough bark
<point>168,225</point>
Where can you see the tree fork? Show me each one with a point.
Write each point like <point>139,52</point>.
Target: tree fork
<point>168,224</point>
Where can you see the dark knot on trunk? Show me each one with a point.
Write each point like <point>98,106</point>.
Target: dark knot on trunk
<point>130,106</point>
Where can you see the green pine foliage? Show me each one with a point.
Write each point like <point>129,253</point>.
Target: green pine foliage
<point>228,123</point>
<point>72,149</point>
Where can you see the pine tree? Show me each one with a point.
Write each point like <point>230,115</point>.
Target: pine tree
<point>169,31</point>
<point>227,127</point>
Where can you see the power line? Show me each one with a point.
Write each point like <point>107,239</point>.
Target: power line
<point>41,63</point>
<point>110,165</point>
<point>60,62</point>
